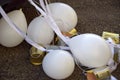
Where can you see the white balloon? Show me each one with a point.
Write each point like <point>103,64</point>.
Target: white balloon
<point>90,50</point>
<point>58,64</point>
<point>64,15</point>
<point>40,31</point>
<point>8,36</point>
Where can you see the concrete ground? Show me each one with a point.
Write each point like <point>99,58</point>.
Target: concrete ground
<point>94,16</point>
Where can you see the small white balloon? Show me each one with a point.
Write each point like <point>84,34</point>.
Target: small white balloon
<point>40,31</point>
<point>90,50</point>
<point>58,64</point>
<point>64,15</point>
<point>8,36</point>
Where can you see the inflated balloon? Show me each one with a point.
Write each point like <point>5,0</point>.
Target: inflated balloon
<point>58,64</point>
<point>40,31</point>
<point>90,50</point>
<point>8,36</point>
<point>64,15</point>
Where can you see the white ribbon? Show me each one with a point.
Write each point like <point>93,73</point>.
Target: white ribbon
<point>43,5</point>
<point>112,64</point>
<point>11,23</point>
<point>48,17</point>
<point>111,44</point>
<point>19,31</point>
<point>113,78</point>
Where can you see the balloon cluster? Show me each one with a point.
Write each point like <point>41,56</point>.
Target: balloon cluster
<point>89,50</point>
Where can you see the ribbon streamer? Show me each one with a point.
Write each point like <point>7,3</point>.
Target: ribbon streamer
<point>111,64</point>
<point>47,15</point>
<point>43,5</point>
<point>19,31</point>
<point>49,20</point>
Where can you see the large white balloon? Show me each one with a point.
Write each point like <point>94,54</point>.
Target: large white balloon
<point>8,36</point>
<point>90,50</point>
<point>64,15</point>
<point>40,31</point>
<point>58,64</point>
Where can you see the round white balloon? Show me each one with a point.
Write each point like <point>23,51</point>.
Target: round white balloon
<point>40,31</point>
<point>64,15</point>
<point>58,64</point>
<point>8,36</point>
<point>90,50</point>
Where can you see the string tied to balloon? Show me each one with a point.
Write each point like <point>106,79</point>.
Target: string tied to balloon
<point>46,13</point>
<point>112,64</point>
<point>21,33</point>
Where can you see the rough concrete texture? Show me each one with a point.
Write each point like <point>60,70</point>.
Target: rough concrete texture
<point>94,16</point>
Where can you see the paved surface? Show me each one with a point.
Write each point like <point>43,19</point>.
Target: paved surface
<point>94,16</point>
